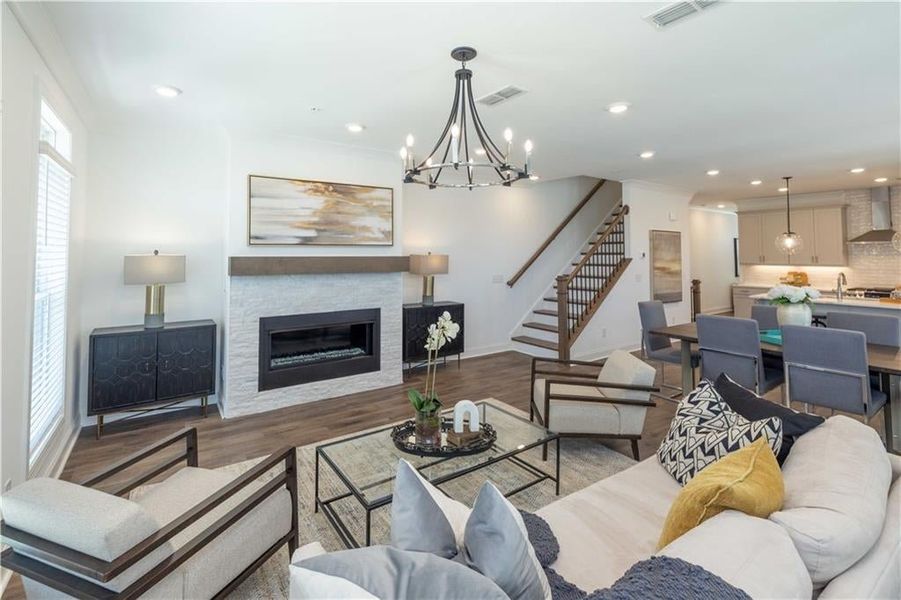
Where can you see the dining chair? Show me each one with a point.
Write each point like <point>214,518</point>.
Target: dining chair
<point>731,345</point>
<point>829,367</point>
<point>659,347</point>
<point>879,329</point>
<point>765,315</point>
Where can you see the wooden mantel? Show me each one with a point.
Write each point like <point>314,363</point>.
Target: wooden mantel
<point>306,265</point>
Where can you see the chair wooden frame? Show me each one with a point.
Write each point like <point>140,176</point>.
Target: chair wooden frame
<point>47,562</point>
<point>587,380</point>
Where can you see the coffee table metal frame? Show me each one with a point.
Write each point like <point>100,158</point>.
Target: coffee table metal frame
<point>350,541</point>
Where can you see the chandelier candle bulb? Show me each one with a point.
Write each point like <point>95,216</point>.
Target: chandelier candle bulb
<point>508,136</point>
<point>528,148</point>
<point>455,144</point>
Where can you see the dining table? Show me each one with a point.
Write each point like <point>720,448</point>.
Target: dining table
<point>884,361</point>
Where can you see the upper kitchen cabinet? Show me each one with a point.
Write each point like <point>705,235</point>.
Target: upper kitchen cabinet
<point>821,229</point>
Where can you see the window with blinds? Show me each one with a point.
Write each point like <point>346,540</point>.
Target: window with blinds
<point>48,352</point>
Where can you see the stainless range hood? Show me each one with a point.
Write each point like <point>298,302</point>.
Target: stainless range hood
<point>881,207</point>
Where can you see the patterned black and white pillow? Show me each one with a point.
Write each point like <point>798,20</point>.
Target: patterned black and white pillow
<point>706,429</point>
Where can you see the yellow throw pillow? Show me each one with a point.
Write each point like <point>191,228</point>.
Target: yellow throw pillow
<point>748,480</point>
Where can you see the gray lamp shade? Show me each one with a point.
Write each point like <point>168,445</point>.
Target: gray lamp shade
<point>428,264</point>
<point>148,269</point>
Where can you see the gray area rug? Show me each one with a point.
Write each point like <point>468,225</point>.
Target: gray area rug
<point>582,463</point>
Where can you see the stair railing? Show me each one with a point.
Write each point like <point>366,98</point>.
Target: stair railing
<point>512,281</point>
<point>577,298</point>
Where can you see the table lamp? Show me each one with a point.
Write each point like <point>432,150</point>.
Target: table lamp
<point>155,271</point>
<point>428,265</point>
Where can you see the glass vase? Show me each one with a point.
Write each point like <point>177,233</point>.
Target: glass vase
<point>428,427</point>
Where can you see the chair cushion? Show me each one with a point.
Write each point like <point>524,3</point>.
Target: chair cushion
<point>415,502</point>
<point>837,479</point>
<point>704,429</point>
<point>77,517</point>
<point>605,528</point>
<point>752,554</point>
<point>747,480</point>
<point>753,407</point>
<point>572,416</point>
<point>386,572</point>
<point>622,367</point>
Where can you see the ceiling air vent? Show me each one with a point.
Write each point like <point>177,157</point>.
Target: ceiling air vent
<point>506,93</point>
<point>676,12</point>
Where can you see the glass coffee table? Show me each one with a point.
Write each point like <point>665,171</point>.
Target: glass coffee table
<point>366,465</point>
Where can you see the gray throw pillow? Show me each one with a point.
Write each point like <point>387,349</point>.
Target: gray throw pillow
<point>497,545</point>
<point>388,573</point>
<point>423,518</point>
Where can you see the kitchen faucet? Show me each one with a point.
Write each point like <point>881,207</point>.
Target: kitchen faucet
<point>839,292</point>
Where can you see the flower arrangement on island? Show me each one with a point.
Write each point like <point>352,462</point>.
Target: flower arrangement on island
<point>792,294</point>
<point>426,403</point>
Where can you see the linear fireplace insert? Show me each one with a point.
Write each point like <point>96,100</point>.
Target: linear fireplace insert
<point>297,349</point>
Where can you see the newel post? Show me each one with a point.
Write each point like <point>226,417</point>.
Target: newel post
<point>562,317</point>
<point>695,298</point>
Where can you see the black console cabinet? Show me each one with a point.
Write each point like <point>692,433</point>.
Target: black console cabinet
<point>417,319</point>
<point>134,368</point>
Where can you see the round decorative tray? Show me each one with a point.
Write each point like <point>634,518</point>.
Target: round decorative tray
<point>404,437</point>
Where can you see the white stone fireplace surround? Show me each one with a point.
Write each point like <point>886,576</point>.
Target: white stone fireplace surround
<point>251,297</point>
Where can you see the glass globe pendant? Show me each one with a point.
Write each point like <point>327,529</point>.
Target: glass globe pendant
<point>789,242</point>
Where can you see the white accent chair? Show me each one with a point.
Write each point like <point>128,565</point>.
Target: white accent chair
<point>609,404</point>
<point>197,534</point>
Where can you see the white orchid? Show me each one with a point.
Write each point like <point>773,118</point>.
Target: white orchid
<point>437,336</point>
<point>790,294</point>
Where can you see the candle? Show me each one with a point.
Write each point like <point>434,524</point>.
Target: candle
<point>528,149</point>
<point>455,144</point>
<point>508,135</point>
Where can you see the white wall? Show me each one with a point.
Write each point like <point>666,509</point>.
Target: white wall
<point>25,79</point>
<point>712,256</point>
<point>153,189</point>
<point>488,234</point>
<point>616,325</point>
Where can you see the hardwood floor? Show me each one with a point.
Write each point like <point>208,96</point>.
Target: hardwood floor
<point>504,376</point>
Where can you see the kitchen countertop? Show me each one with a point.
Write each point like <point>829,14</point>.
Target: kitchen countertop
<point>847,301</point>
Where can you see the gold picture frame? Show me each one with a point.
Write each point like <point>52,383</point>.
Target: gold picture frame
<point>285,211</point>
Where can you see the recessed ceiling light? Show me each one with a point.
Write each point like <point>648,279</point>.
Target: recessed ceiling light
<point>480,151</point>
<point>756,182</point>
<point>881,179</point>
<point>713,172</point>
<point>354,127</point>
<point>167,91</point>
<point>783,189</point>
<point>721,206</point>
<point>647,154</point>
<point>618,107</point>
<point>856,170</point>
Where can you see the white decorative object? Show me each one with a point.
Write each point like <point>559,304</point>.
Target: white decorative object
<point>463,408</point>
<point>794,314</point>
<point>793,304</point>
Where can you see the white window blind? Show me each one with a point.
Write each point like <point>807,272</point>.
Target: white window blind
<point>48,354</point>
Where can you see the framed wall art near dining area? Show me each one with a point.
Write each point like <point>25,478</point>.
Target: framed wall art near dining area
<point>666,265</point>
<point>298,212</point>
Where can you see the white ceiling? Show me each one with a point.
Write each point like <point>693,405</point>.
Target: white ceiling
<point>756,90</point>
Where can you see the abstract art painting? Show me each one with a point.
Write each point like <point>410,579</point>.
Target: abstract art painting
<point>666,266</point>
<point>299,212</point>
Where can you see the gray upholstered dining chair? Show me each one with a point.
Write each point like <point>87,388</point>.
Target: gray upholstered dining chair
<point>829,367</point>
<point>732,346</point>
<point>660,347</point>
<point>765,315</point>
<point>879,329</point>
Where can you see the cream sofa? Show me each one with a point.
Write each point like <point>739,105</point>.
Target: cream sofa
<point>606,527</point>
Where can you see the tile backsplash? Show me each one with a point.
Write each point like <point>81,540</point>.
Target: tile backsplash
<point>868,264</point>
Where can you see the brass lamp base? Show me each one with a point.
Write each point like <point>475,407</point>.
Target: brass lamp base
<point>428,290</point>
<point>155,306</point>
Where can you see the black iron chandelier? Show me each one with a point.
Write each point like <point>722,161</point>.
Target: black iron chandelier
<point>465,146</point>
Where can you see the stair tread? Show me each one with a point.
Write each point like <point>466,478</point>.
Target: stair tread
<point>552,313</point>
<point>607,253</point>
<point>541,326</point>
<point>571,301</point>
<point>532,341</point>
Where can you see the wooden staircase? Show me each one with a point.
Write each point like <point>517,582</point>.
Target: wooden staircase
<point>581,289</point>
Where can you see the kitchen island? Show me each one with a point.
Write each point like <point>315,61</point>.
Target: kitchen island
<point>825,304</point>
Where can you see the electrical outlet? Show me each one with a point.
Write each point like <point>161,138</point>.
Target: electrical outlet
<point>604,332</point>
<point>497,279</point>
<point>638,278</point>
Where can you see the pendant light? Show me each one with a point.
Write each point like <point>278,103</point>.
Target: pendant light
<point>789,242</point>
